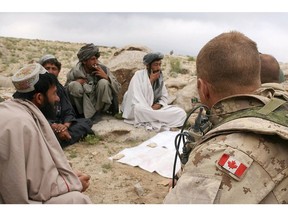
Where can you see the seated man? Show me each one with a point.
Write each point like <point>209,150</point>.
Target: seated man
<point>33,167</point>
<point>92,87</point>
<point>145,102</point>
<point>64,123</point>
<point>272,76</point>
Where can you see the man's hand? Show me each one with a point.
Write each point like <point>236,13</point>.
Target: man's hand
<point>99,72</point>
<point>64,135</point>
<point>154,76</point>
<point>61,131</point>
<point>81,81</point>
<point>156,106</point>
<point>84,179</point>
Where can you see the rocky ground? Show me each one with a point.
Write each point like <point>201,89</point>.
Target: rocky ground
<point>111,181</point>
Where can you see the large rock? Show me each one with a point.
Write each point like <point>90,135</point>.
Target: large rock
<point>111,129</point>
<point>123,76</point>
<point>124,63</point>
<point>184,96</point>
<point>129,58</point>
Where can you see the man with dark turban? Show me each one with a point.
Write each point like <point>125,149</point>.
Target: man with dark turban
<point>146,101</point>
<point>92,87</point>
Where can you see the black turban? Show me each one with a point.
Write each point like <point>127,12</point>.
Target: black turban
<point>88,51</point>
<point>151,57</point>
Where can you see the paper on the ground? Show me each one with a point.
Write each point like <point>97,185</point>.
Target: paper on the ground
<point>156,154</point>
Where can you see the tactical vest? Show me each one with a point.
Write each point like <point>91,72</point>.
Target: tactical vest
<point>273,110</point>
<point>268,117</point>
<point>276,111</point>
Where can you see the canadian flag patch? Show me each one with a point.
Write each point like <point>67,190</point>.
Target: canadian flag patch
<point>232,165</point>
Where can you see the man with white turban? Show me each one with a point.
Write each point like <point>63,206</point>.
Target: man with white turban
<point>145,103</point>
<point>33,167</point>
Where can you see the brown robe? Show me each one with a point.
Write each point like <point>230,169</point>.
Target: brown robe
<point>33,167</point>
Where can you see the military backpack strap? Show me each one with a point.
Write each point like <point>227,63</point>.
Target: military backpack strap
<point>272,105</point>
<point>276,110</point>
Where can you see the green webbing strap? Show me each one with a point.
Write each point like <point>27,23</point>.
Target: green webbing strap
<point>272,105</point>
<point>279,116</point>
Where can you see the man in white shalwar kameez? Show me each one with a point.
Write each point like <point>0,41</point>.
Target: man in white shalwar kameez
<point>145,103</point>
<point>33,167</point>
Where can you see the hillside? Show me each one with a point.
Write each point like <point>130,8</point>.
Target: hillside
<point>123,62</point>
<point>16,52</point>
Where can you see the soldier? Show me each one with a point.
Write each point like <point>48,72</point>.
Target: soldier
<point>243,158</point>
<point>271,75</point>
<point>270,69</point>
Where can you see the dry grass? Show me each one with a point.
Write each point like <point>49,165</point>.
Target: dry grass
<point>16,52</point>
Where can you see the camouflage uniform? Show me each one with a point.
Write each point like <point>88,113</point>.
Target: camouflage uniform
<point>259,145</point>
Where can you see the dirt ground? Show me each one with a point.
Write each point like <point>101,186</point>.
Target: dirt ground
<point>111,181</point>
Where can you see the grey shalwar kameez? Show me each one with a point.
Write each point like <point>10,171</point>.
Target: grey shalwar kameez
<point>95,95</point>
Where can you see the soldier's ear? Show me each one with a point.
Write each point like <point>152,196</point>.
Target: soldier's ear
<point>203,90</point>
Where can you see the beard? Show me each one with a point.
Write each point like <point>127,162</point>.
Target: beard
<point>48,110</point>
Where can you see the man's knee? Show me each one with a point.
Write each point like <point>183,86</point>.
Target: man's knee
<point>75,89</point>
<point>103,84</point>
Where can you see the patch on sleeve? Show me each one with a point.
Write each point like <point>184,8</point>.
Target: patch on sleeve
<point>235,163</point>
<point>232,165</point>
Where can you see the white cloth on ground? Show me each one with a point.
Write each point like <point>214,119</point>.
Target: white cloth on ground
<point>155,154</point>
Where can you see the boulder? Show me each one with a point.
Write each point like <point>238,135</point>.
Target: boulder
<point>130,57</point>
<point>112,129</point>
<point>124,63</point>
<point>184,96</point>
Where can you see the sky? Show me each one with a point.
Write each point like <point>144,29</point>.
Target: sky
<point>184,32</point>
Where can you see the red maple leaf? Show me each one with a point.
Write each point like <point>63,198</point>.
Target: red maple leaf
<point>232,164</point>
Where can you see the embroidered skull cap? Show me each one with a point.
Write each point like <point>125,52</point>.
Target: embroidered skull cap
<point>25,78</point>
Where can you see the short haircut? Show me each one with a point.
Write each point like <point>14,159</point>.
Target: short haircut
<point>270,69</point>
<point>42,86</point>
<point>229,61</point>
<point>53,61</point>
